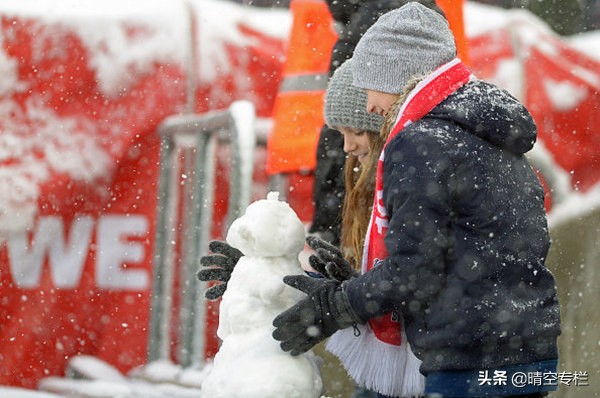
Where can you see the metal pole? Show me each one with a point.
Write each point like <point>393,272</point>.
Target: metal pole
<point>188,144</point>
<point>158,335</point>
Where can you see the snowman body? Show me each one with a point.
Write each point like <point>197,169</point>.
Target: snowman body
<point>250,363</point>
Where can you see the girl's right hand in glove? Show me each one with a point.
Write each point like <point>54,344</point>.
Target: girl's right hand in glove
<point>329,261</point>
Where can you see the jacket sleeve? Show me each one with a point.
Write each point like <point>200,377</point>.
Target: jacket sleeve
<point>416,198</point>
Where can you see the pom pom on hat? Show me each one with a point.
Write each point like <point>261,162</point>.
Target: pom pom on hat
<point>346,104</point>
<point>406,42</point>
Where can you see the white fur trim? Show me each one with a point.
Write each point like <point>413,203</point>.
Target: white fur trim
<point>387,369</point>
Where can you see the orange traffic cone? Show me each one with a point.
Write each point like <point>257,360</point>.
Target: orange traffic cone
<point>298,108</point>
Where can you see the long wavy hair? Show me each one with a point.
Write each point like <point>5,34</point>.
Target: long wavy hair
<point>360,185</point>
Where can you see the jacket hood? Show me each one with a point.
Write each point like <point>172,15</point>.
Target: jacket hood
<point>490,113</point>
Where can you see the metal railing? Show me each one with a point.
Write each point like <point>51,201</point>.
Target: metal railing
<point>186,192</point>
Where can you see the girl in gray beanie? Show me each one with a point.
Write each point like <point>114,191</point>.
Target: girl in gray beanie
<point>345,111</point>
<point>455,251</point>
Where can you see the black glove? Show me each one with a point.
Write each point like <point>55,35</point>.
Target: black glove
<point>222,266</point>
<point>313,319</point>
<point>329,261</point>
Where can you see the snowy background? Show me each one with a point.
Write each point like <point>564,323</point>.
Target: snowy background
<point>84,149</point>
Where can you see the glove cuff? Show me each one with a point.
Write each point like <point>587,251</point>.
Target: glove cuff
<point>347,317</point>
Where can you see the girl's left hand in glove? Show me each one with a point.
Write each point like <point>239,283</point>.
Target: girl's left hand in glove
<point>313,319</point>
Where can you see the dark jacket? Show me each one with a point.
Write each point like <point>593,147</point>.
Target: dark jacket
<point>353,18</point>
<point>467,238</point>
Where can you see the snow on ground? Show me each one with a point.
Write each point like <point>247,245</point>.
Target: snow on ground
<point>14,392</point>
<point>94,378</point>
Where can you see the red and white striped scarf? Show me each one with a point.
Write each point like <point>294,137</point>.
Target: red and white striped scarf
<point>427,95</point>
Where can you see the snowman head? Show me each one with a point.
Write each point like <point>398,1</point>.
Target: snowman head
<point>268,228</point>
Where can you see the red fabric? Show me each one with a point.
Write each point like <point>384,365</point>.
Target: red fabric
<point>49,316</point>
<point>568,132</point>
<point>63,291</point>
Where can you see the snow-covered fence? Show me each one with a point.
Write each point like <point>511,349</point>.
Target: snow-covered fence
<point>184,221</point>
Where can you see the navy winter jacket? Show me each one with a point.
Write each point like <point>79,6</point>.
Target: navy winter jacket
<point>467,238</point>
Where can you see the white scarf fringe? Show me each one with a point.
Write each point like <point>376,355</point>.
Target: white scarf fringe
<point>387,369</point>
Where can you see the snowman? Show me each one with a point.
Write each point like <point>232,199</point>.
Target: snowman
<point>250,363</point>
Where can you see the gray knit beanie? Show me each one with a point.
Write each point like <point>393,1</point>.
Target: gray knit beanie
<point>346,104</point>
<point>406,42</point>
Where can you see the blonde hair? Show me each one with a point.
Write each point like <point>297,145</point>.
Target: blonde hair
<point>360,185</point>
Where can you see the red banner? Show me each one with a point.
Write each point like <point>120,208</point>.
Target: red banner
<point>81,97</point>
<point>558,84</point>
